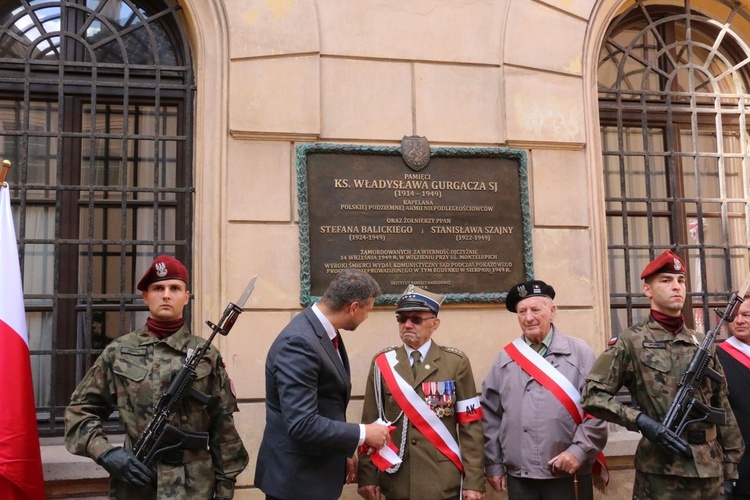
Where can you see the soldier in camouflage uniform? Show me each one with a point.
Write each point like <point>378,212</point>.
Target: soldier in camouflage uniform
<point>131,375</point>
<point>650,359</point>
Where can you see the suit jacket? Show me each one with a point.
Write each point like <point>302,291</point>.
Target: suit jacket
<point>306,440</point>
<point>427,474</point>
<point>738,380</point>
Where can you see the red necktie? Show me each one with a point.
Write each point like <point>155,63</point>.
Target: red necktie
<point>335,341</point>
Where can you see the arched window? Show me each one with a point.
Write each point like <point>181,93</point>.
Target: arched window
<point>674,105</point>
<point>96,103</point>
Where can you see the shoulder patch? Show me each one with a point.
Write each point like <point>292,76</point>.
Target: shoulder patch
<point>453,350</point>
<point>391,348</point>
<point>612,341</point>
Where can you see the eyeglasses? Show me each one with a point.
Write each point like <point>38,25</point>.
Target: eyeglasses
<point>415,320</point>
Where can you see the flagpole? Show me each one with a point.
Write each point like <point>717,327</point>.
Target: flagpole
<point>4,172</point>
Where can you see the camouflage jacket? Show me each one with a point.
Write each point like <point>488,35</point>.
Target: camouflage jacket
<point>130,376</point>
<point>650,362</point>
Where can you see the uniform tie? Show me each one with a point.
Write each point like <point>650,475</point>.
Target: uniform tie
<point>416,356</point>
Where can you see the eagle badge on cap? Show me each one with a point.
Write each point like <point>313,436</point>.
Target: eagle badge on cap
<point>161,269</point>
<point>677,264</point>
<point>522,291</point>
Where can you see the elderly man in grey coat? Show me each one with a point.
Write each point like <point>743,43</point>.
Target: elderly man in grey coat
<point>538,441</point>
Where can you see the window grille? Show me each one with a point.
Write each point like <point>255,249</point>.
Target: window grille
<point>673,101</point>
<point>96,103</point>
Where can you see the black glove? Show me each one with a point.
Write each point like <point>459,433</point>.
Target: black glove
<point>661,436</point>
<point>726,489</point>
<point>123,466</point>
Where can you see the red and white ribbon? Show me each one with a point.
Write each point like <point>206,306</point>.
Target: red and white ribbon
<point>385,457</point>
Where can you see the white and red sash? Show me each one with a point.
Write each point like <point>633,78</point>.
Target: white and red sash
<point>415,408</point>
<point>551,379</point>
<point>738,350</point>
<point>385,457</point>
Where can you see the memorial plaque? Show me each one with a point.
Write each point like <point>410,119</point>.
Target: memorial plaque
<point>458,225</point>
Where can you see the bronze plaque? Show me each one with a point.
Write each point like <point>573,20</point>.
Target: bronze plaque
<point>459,226</point>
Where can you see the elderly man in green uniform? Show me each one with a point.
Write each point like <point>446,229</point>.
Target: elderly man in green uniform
<point>427,392</point>
<point>131,375</point>
<point>650,359</point>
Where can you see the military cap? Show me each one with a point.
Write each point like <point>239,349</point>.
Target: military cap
<point>667,262</point>
<point>416,299</point>
<point>533,288</point>
<point>164,267</point>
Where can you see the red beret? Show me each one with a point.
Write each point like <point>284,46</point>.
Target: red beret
<point>164,267</point>
<point>667,262</point>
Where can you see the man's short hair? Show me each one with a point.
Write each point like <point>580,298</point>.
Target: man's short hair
<point>350,285</point>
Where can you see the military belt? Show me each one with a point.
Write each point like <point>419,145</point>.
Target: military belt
<point>700,436</point>
<point>179,457</point>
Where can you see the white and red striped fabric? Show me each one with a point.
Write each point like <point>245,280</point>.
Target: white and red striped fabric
<point>738,350</point>
<point>468,410</point>
<point>385,457</point>
<point>551,379</point>
<point>20,458</point>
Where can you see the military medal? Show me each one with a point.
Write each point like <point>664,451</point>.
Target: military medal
<point>429,389</point>
<point>450,397</point>
<point>440,410</point>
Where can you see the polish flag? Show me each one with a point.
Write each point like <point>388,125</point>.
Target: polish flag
<point>387,456</point>
<point>20,458</point>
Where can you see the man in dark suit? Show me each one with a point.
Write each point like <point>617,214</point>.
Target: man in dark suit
<point>734,355</point>
<point>308,447</point>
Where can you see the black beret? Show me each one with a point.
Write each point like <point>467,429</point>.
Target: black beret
<point>533,288</point>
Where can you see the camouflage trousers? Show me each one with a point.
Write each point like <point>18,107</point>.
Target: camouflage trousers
<point>662,487</point>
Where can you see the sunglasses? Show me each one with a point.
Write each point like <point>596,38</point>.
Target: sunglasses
<point>415,320</point>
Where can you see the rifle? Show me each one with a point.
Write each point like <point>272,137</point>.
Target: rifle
<point>160,436</point>
<point>686,409</point>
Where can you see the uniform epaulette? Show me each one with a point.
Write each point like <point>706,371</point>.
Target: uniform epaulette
<point>391,348</point>
<point>453,350</point>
